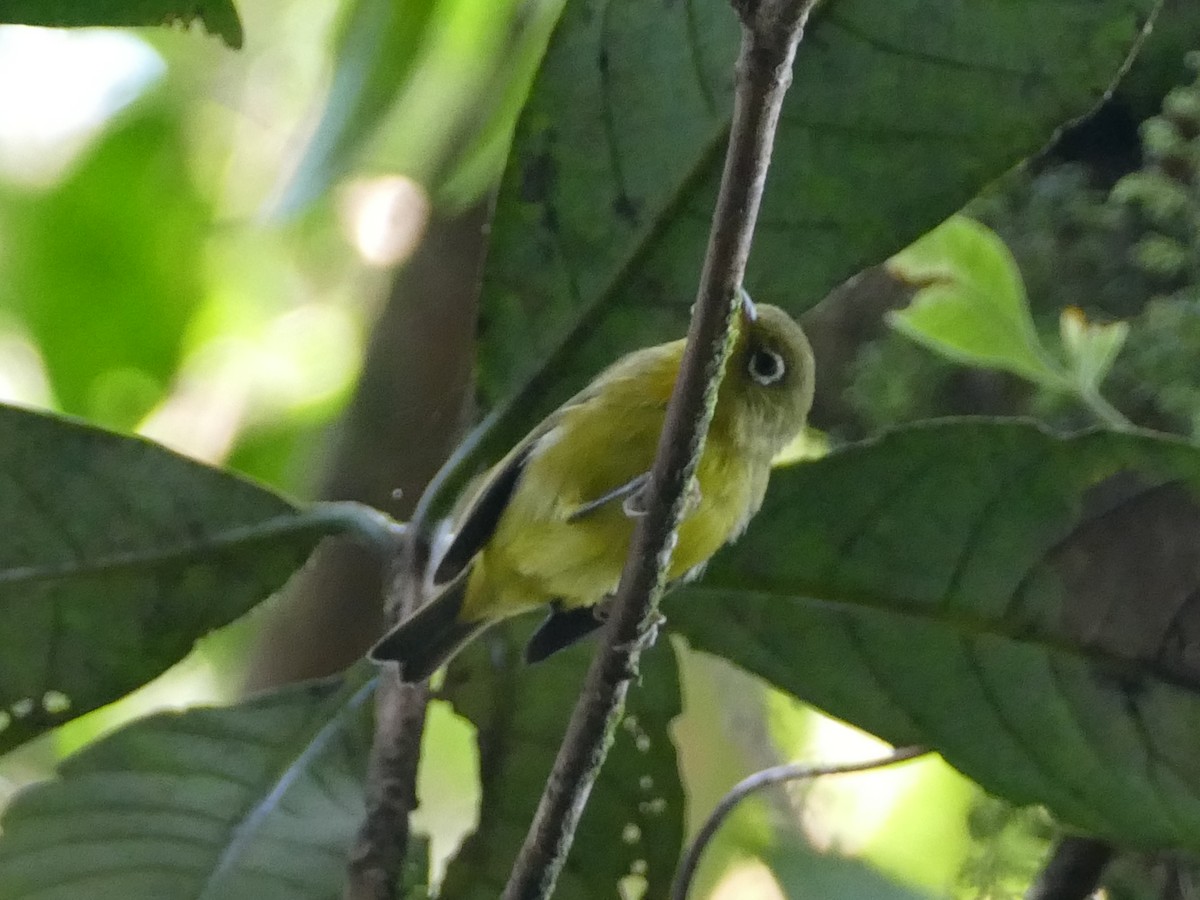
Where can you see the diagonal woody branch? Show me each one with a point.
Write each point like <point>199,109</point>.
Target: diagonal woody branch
<point>771,31</point>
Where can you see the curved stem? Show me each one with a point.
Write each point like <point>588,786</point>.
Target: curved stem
<point>1105,411</point>
<point>756,782</point>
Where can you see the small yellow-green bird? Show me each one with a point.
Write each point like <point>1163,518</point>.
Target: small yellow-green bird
<point>552,521</point>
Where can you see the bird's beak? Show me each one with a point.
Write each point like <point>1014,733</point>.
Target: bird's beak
<point>749,310</point>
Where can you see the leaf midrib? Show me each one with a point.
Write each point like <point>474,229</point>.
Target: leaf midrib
<point>278,526</point>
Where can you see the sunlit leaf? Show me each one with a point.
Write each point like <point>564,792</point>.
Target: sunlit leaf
<point>249,802</point>
<point>634,819</point>
<point>970,302</point>
<point>899,112</point>
<point>1027,605</point>
<point>218,17</point>
<point>120,554</point>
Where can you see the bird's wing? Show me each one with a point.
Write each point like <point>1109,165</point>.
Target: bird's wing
<point>482,513</point>
<point>478,523</point>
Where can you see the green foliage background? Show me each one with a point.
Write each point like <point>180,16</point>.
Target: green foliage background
<point>189,263</point>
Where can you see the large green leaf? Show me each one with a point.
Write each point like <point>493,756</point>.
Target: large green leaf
<point>899,112</point>
<point>1027,605</point>
<point>250,802</point>
<point>219,17</point>
<point>118,554</point>
<point>106,269</point>
<point>634,820</point>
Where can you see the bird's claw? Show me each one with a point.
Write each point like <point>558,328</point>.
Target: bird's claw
<point>634,506</point>
<point>644,641</point>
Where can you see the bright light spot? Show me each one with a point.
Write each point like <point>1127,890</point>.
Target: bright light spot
<point>22,707</point>
<point>748,879</point>
<point>655,807</point>
<point>449,770</point>
<point>61,87</point>
<point>55,702</point>
<point>385,217</point>
<point>634,885</point>
<point>204,413</point>
<point>23,380</point>
<point>308,355</point>
<point>301,359</point>
<point>845,811</point>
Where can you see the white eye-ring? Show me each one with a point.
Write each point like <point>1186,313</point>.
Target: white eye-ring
<point>766,366</point>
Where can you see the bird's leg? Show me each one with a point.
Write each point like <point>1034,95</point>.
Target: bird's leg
<point>635,504</point>
<point>626,493</point>
<point>644,641</point>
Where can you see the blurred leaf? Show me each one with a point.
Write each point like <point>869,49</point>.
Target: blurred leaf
<point>634,819</point>
<point>377,45</point>
<point>106,268</point>
<point>806,875</point>
<point>970,304</point>
<point>120,554</point>
<point>249,802</point>
<point>286,453</point>
<point>218,17</point>
<point>1026,605</point>
<point>899,112</point>
<point>477,164</point>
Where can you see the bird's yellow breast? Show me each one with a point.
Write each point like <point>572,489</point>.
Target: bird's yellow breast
<point>539,554</point>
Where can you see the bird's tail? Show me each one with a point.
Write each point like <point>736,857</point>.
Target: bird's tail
<point>430,637</point>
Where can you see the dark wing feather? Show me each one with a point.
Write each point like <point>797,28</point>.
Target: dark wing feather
<point>479,522</point>
<point>561,629</point>
<point>476,526</point>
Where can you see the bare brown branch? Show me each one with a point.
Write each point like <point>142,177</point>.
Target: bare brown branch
<point>425,293</point>
<point>377,856</point>
<point>770,34</point>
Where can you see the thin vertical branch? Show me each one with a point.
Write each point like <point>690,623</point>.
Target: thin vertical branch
<point>770,34</point>
<point>379,850</point>
<point>434,397</point>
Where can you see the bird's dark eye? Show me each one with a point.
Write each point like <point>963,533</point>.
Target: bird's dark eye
<point>766,366</point>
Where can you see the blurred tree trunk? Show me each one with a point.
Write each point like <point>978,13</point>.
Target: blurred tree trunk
<point>411,405</point>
